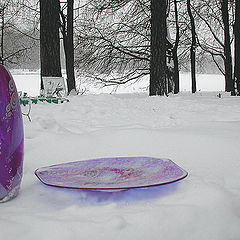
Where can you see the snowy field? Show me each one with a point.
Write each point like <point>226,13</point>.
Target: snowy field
<point>198,132</point>
<point>30,82</point>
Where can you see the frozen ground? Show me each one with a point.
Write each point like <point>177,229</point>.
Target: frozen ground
<point>198,132</point>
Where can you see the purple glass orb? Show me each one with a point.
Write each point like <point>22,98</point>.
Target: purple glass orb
<point>11,137</point>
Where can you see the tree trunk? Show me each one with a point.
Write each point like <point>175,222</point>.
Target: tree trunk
<point>158,85</point>
<point>193,48</point>
<point>229,83</point>
<point>237,46</point>
<point>69,48</point>
<point>49,39</point>
<point>175,49</point>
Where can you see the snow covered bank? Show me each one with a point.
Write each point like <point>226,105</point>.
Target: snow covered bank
<point>199,132</point>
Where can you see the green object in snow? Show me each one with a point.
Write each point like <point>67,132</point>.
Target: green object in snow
<point>30,100</point>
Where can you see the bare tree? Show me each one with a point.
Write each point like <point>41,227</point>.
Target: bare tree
<point>227,48</point>
<point>210,37</point>
<point>67,33</point>
<point>158,85</point>
<point>49,39</point>
<point>215,35</point>
<point>114,40</point>
<point>175,50</point>
<point>193,47</point>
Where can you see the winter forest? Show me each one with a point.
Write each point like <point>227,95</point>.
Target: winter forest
<point>121,41</point>
<point>144,79</point>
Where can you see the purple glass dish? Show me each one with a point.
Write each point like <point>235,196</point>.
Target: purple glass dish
<point>112,173</point>
<point>11,138</point>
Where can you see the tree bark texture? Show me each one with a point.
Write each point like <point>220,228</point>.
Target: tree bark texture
<point>69,48</point>
<point>229,83</point>
<point>193,47</point>
<point>49,39</point>
<point>158,85</point>
<point>237,46</point>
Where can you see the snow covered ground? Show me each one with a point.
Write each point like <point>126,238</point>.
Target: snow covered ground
<point>29,82</point>
<point>198,132</point>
